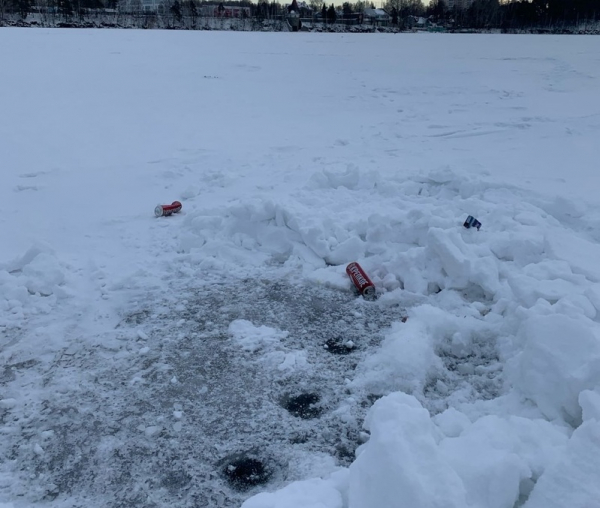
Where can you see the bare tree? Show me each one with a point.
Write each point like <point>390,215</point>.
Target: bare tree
<point>405,8</point>
<point>360,6</point>
<point>65,8</point>
<point>3,6</point>
<point>437,8</point>
<point>23,7</point>
<point>191,11</point>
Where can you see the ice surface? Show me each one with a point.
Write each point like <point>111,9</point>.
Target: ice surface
<point>141,358</point>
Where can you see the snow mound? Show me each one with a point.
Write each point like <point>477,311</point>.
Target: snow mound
<point>572,479</point>
<point>560,359</point>
<point>314,493</point>
<point>402,460</point>
<point>252,338</point>
<point>31,284</point>
<point>499,458</point>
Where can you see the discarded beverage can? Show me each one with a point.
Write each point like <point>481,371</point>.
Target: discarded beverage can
<point>361,280</point>
<point>166,210</point>
<point>472,222</point>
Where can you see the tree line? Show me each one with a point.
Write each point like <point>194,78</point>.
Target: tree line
<point>524,14</point>
<point>479,14</point>
<point>488,14</point>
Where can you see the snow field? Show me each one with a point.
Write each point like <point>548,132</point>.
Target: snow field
<point>144,360</point>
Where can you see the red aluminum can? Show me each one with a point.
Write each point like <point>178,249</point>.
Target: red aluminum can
<point>166,210</point>
<point>361,280</point>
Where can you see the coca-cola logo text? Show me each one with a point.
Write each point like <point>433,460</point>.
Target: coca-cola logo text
<point>358,275</point>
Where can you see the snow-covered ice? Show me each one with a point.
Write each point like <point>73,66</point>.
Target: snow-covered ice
<point>219,356</point>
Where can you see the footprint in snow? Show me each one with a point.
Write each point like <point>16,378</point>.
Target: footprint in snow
<point>21,188</point>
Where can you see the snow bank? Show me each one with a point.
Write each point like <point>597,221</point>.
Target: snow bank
<point>572,480</point>
<point>314,493</point>
<point>475,300</point>
<point>401,465</point>
<point>401,234</point>
<point>411,459</point>
<point>499,458</point>
<point>560,359</point>
<point>405,360</point>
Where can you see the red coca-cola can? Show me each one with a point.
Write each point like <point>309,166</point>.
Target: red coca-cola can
<point>361,280</point>
<point>166,210</point>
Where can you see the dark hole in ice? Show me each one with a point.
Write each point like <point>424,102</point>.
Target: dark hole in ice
<point>303,405</point>
<point>338,346</point>
<point>244,472</point>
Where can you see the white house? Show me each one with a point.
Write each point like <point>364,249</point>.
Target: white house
<point>150,5</point>
<point>376,16</point>
<point>229,11</point>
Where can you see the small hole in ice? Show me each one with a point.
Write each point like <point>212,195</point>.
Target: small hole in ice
<point>303,405</point>
<point>244,472</point>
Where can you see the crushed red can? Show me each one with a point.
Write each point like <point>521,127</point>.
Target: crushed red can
<point>361,280</point>
<point>166,210</point>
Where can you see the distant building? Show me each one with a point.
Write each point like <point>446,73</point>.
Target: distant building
<point>417,22</point>
<point>150,5</point>
<point>227,11</point>
<point>377,17</point>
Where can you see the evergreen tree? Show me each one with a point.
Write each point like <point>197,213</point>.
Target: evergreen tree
<point>331,14</point>
<point>192,11</point>
<point>437,9</point>
<point>359,6</point>
<point>65,8</point>
<point>347,9</point>
<point>176,10</point>
<point>483,13</point>
<point>23,7</point>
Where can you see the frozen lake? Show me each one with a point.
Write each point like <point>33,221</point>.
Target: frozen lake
<point>204,358</point>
